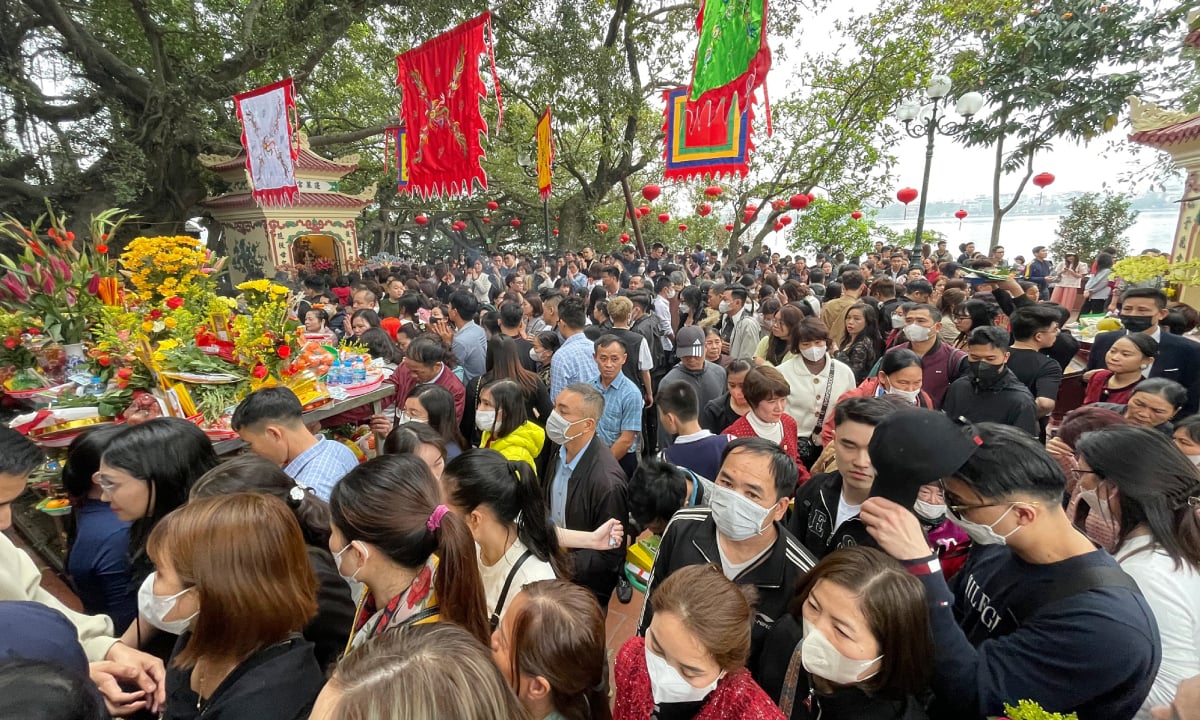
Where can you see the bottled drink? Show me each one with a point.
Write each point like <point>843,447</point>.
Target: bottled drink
<point>334,377</point>
<point>359,371</point>
<point>95,388</point>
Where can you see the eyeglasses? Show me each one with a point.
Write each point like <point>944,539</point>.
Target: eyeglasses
<point>956,507</point>
<point>106,485</point>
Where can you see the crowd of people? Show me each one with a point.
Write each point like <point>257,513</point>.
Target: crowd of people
<point>867,499</point>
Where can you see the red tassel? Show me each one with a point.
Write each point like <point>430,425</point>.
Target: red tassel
<point>495,76</point>
<point>767,108</point>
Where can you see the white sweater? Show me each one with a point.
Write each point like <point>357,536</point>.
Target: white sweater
<point>21,580</point>
<point>808,391</point>
<point>1174,596</point>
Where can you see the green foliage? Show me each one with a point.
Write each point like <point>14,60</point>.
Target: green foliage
<point>1029,710</point>
<point>1094,222</point>
<point>827,226</point>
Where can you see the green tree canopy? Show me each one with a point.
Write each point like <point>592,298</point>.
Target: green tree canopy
<point>1094,222</point>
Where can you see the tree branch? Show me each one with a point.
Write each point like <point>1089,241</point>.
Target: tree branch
<point>153,39</point>
<point>352,136</point>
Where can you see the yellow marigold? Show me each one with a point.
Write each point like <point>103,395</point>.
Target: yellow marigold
<point>170,323</point>
<point>148,326</point>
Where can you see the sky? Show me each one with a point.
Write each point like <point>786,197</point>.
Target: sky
<point>960,173</point>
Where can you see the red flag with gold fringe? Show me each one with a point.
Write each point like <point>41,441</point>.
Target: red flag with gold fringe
<point>440,109</point>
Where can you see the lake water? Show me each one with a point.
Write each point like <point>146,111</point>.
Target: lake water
<point>1019,234</point>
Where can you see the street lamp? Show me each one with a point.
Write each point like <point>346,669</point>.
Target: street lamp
<point>529,167</point>
<point>928,120</point>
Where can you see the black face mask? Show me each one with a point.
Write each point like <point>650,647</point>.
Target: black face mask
<point>1137,323</point>
<point>985,375</point>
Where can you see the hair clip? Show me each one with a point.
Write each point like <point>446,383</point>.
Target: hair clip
<point>296,494</point>
<point>1194,502</point>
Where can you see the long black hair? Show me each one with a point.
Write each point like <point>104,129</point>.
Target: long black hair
<point>870,333</point>
<point>168,454</point>
<point>509,402</point>
<point>83,460</point>
<point>1160,495</point>
<point>512,492</point>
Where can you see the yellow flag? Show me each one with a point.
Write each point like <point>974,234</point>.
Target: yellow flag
<point>545,155</point>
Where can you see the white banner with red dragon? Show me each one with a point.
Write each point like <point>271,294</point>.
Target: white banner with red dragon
<point>268,135</point>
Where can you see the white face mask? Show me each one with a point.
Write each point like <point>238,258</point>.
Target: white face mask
<point>486,420</point>
<point>983,534</point>
<point>670,294</point>
<point>897,321</point>
<point>737,516</point>
<point>557,427</point>
<point>929,511</point>
<point>723,307</point>
<point>909,395</point>
<point>822,659</point>
<point>155,608</point>
<point>668,686</point>
<point>534,355</point>
<point>814,353</point>
<point>1195,459</point>
<point>337,562</point>
<point>685,308</point>
<point>917,333</point>
<point>1094,502</point>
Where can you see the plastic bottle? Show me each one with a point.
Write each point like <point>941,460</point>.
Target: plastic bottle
<point>360,371</point>
<point>96,387</point>
<point>334,377</point>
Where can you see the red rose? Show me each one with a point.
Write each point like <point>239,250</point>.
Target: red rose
<point>155,314</point>
<point>104,237</point>
<point>11,342</point>
<point>104,360</point>
<point>102,249</point>
<point>260,371</point>
<point>125,373</point>
<point>175,303</point>
<point>284,351</point>
<point>70,236</point>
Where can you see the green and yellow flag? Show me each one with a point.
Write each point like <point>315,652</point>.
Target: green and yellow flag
<point>732,57</point>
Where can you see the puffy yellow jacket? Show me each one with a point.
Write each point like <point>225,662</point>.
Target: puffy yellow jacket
<point>525,443</point>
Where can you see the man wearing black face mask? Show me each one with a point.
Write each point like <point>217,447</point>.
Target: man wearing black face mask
<point>989,391</point>
<point>1178,358</point>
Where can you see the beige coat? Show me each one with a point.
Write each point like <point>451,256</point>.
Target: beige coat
<point>21,580</point>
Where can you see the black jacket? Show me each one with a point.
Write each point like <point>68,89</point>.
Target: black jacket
<point>844,703</point>
<point>717,415</point>
<point>691,539</point>
<point>814,513</point>
<point>595,493</point>
<point>335,609</point>
<point>1178,359</point>
<point>280,682</point>
<point>1007,402</point>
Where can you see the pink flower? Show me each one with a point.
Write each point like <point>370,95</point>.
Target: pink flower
<point>93,285</point>
<point>123,335</point>
<point>15,288</point>
<point>48,284</point>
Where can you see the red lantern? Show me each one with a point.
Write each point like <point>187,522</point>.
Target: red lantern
<point>811,198</point>
<point>650,192</point>
<point>786,220</point>
<point>748,215</point>
<point>421,220</point>
<point>602,227</point>
<point>664,218</point>
<point>856,215</point>
<point>961,214</point>
<point>778,205</point>
<point>643,211</point>
<point>624,237</point>
<point>704,209</point>
<point>798,202</point>
<point>778,226</point>
<point>459,225</point>
<point>713,191</point>
<point>515,223</point>
<point>682,227</point>
<point>493,205</point>
<point>728,227</point>
<point>1043,179</point>
<point>906,195</point>
<point>486,219</point>
<point>554,232</point>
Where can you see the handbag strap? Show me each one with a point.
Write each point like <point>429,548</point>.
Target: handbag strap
<point>495,619</point>
<point>791,681</point>
<point>825,403</point>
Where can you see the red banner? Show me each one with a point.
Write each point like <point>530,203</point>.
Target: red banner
<point>268,136</point>
<point>440,109</point>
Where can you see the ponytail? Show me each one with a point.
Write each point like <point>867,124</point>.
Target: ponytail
<point>534,527</point>
<point>460,594</point>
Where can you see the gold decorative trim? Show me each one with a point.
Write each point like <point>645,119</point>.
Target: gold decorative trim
<point>1145,116</point>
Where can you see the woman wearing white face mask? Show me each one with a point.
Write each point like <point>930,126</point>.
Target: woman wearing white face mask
<point>500,416</point>
<point>855,644</point>
<point>240,654</point>
<point>691,664</point>
<point>817,381</point>
<point>899,374</point>
<point>1154,509</point>
<point>1187,437</point>
<point>949,540</point>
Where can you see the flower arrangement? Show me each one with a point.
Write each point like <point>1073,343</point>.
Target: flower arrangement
<point>159,268</point>
<point>1029,710</point>
<point>15,353</point>
<point>265,337</point>
<point>1158,267</point>
<point>59,279</point>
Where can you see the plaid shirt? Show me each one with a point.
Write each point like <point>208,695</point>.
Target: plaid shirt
<point>574,362</point>
<point>321,466</point>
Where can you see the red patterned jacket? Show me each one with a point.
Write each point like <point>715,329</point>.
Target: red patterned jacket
<point>742,428</point>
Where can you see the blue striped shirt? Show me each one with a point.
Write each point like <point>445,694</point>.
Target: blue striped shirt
<point>322,466</point>
<point>622,410</point>
<point>575,362</point>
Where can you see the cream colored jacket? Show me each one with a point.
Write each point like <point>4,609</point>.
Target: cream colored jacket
<point>21,580</point>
